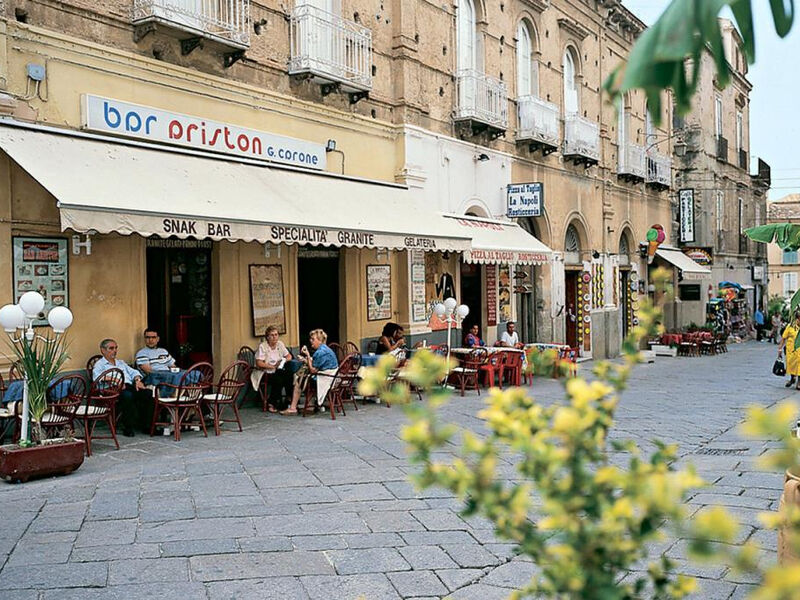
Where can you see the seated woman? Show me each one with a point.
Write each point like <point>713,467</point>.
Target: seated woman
<point>271,358</point>
<point>391,338</point>
<point>323,360</point>
<point>473,338</point>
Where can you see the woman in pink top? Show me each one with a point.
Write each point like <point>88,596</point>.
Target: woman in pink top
<point>271,357</point>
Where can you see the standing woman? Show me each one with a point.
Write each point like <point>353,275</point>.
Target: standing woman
<point>790,341</point>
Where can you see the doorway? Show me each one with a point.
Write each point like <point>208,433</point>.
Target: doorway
<point>318,292</point>
<point>525,291</point>
<point>471,296</point>
<point>571,311</point>
<point>179,297</point>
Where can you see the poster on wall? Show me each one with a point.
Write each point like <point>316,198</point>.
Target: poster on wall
<point>379,292</point>
<point>504,293</point>
<point>686,217</point>
<point>419,311</point>
<point>40,265</point>
<point>266,298</point>
<point>491,295</point>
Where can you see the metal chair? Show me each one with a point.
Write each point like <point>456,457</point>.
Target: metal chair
<point>338,351</point>
<point>467,372</point>
<point>185,399</point>
<point>64,396</point>
<point>231,382</point>
<point>90,365</point>
<point>101,405</point>
<point>351,348</point>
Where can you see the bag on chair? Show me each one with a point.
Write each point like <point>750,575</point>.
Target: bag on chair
<point>779,368</point>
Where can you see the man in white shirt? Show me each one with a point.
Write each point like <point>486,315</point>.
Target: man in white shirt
<point>509,338</point>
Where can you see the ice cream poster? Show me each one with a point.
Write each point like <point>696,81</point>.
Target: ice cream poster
<point>379,292</point>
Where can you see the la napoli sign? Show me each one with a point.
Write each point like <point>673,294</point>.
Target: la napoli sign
<point>152,124</point>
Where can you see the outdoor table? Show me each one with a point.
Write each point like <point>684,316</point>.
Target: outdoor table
<point>13,392</point>
<point>671,339</point>
<point>541,346</point>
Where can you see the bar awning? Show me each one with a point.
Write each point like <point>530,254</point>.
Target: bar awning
<point>495,242</point>
<point>690,269</point>
<point>105,186</point>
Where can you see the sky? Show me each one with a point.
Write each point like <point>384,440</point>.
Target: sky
<point>774,113</point>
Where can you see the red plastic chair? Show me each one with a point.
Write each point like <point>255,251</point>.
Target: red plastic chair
<point>230,384</point>
<point>186,399</point>
<point>512,367</point>
<point>101,405</point>
<point>492,366</point>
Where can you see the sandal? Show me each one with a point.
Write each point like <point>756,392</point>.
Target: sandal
<point>271,408</point>
<point>288,411</point>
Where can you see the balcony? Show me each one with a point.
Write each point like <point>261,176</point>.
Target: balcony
<point>537,124</point>
<point>659,170</point>
<point>482,103</point>
<point>581,140</point>
<point>332,51</point>
<point>722,148</point>
<point>743,164</point>
<point>223,21</point>
<point>631,166</point>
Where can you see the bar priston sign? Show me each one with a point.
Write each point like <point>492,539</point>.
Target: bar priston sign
<point>156,125</point>
<point>524,200</point>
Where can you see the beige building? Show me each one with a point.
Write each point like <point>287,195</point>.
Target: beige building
<point>784,267</point>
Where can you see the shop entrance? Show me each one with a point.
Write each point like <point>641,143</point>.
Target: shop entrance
<point>571,308</point>
<point>471,296</point>
<point>179,297</point>
<point>524,289</point>
<point>318,292</point>
<point>625,301</point>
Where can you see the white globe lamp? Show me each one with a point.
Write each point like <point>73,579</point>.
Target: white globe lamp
<point>450,304</point>
<point>60,318</point>
<point>31,303</point>
<point>462,311</point>
<point>439,309</point>
<point>12,317</point>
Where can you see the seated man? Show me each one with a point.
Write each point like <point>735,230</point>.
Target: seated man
<point>135,403</point>
<point>154,363</point>
<point>509,339</point>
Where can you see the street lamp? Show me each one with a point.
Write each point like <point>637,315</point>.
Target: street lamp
<point>452,313</point>
<point>20,316</point>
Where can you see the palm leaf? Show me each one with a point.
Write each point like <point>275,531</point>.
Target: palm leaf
<point>795,302</point>
<point>786,235</point>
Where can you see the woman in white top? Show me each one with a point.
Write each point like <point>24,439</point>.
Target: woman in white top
<point>271,358</point>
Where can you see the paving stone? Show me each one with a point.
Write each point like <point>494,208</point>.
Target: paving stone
<point>708,589</point>
<point>427,557</point>
<point>411,584</point>
<point>147,570</point>
<point>319,542</point>
<point>273,543</point>
<point>116,505</point>
<point>299,495</point>
<point>479,591</point>
<point>437,538</point>
<point>391,521</point>
<point>352,587</point>
<point>54,576</point>
<point>439,520</point>
<point>362,491</point>
<point>106,533</point>
<point>367,560</point>
<point>310,524</point>
<point>345,476</point>
<point>198,547</point>
<point>115,552</point>
<point>280,480</point>
<point>194,529</point>
<point>147,591</point>
<point>219,567</point>
<point>458,578</point>
<point>704,570</point>
<point>728,500</point>
<point>37,554</point>
<point>273,588</point>
<point>373,540</point>
<point>470,555</point>
<point>514,574</point>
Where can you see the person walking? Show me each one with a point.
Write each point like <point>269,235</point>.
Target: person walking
<point>759,322</point>
<point>789,341</point>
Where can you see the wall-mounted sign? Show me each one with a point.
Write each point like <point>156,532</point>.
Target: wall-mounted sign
<point>686,216</point>
<point>702,256</point>
<point>40,265</point>
<point>524,199</point>
<point>379,292</point>
<point>266,298</point>
<point>758,273</point>
<point>416,261</point>
<point>165,127</point>
<point>491,295</point>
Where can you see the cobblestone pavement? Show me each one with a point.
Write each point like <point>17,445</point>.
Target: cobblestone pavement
<point>314,508</point>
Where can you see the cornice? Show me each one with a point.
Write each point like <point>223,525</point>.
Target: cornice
<point>573,27</point>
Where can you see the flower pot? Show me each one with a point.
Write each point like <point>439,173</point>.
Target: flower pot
<point>791,495</point>
<point>56,457</point>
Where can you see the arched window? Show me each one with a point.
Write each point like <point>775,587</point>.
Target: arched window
<point>572,241</point>
<point>466,35</point>
<point>624,246</point>
<point>571,104</point>
<point>527,84</point>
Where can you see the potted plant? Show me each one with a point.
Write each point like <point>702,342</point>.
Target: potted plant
<point>40,358</point>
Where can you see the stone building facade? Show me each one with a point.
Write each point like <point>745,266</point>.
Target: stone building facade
<point>784,267</point>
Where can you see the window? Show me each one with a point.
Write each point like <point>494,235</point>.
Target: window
<point>527,84</point>
<point>678,122</point>
<point>650,136</point>
<point>718,115</point>
<point>720,209</point>
<point>739,131</point>
<point>757,217</point>
<point>741,215</point>
<point>467,42</point>
<point>789,257</point>
<point>689,292</point>
<point>572,241</point>
<point>789,283</point>
<point>571,104</point>
<point>622,123</point>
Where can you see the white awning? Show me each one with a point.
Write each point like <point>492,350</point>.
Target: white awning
<point>496,242</point>
<point>690,269</point>
<point>105,186</point>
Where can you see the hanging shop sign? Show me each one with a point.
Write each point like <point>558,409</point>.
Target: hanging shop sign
<point>701,255</point>
<point>379,292</point>
<point>416,260</point>
<point>491,295</point>
<point>155,125</point>
<point>504,292</point>
<point>686,216</point>
<point>758,273</point>
<point>524,200</point>
<point>40,265</point>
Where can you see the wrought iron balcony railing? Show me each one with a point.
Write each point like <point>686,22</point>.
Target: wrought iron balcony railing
<point>631,163</point>
<point>481,99</point>
<point>225,21</point>
<point>330,48</point>
<point>581,139</point>
<point>537,121</point>
<point>659,169</point>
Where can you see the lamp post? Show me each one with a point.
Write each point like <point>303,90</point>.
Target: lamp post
<point>452,313</point>
<point>14,317</point>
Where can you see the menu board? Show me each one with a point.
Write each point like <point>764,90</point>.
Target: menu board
<point>504,292</point>
<point>491,295</point>
<point>379,292</point>
<point>419,306</point>
<point>40,265</point>
<point>267,299</point>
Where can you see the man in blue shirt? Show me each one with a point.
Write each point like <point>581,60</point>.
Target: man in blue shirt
<point>323,360</point>
<point>759,319</point>
<point>135,402</point>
